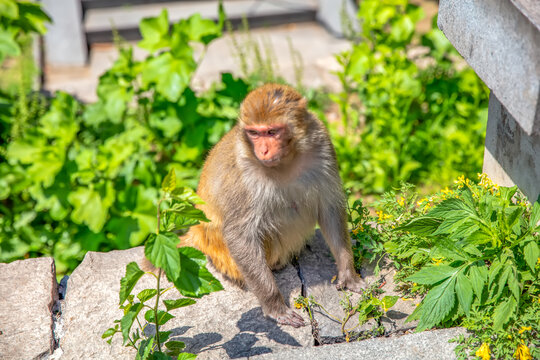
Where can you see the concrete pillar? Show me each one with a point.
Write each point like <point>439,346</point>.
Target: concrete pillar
<point>65,40</point>
<point>511,155</point>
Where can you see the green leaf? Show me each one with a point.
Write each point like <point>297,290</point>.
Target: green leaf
<point>128,282</point>
<point>432,274</point>
<point>437,304</point>
<point>478,276</point>
<point>423,226</point>
<point>503,312</point>
<point>109,332</point>
<point>535,215</point>
<point>389,301</point>
<point>8,45</point>
<point>464,292</point>
<point>186,356</point>
<point>531,254</point>
<point>9,9</point>
<point>155,32</point>
<point>450,208</point>
<point>171,75</point>
<point>162,316</point>
<point>91,206</point>
<point>145,349</point>
<point>175,345</point>
<point>127,320</point>
<point>169,182</point>
<point>146,294</point>
<point>175,304</point>
<point>195,279</point>
<point>161,250</point>
<point>513,284</point>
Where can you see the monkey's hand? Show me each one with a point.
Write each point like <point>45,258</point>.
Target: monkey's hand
<point>353,282</point>
<point>289,318</point>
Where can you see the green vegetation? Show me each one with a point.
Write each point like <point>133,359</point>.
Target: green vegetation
<point>77,177</point>
<point>184,267</point>
<point>473,253</point>
<point>405,117</point>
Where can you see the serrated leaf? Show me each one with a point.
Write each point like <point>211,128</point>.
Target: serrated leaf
<point>432,274</point>
<point>127,320</point>
<point>503,312</point>
<point>162,316</point>
<point>175,345</point>
<point>423,226</point>
<point>175,304</point>
<point>451,207</point>
<point>145,349</point>
<point>531,254</point>
<point>161,250</point>
<point>187,194</point>
<point>437,304</point>
<point>478,277</point>
<point>513,285</point>
<point>169,182</point>
<point>128,282</point>
<point>464,292</point>
<point>195,279</point>
<point>146,294</point>
<point>535,215</point>
<point>451,223</point>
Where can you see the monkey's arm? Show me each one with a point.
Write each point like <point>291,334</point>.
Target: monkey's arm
<point>248,253</point>
<point>332,221</point>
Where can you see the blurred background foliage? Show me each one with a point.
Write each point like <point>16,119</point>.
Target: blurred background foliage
<point>76,177</point>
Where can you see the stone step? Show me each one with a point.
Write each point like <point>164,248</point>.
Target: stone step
<point>100,22</point>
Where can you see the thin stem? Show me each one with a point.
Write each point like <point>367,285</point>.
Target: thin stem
<point>156,311</point>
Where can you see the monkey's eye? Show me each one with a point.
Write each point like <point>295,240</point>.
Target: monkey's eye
<point>252,133</point>
<point>272,132</point>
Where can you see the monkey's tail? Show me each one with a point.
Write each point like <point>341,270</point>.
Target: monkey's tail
<point>206,238</point>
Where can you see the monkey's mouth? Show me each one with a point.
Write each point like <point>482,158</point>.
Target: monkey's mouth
<point>270,162</point>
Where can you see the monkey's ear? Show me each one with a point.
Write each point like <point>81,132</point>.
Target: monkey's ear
<point>302,103</point>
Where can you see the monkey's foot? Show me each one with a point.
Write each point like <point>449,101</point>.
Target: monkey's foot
<point>354,283</point>
<point>290,318</point>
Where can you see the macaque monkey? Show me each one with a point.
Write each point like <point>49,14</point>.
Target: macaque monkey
<point>266,185</point>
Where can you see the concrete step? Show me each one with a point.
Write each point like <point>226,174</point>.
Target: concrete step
<point>100,22</point>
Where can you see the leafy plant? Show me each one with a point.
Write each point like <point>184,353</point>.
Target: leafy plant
<point>17,19</point>
<point>184,267</point>
<point>76,177</point>
<point>405,117</point>
<point>473,252</point>
<point>368,306</point>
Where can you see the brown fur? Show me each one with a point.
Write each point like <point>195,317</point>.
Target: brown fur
<point>261,216</point>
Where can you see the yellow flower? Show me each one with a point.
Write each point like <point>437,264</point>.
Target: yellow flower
<point>401,201</point>
<point>437,262</point>
<point>382,216</point>
<point>355,231</point>
<point>522,352</point>
<point>525,328</point>
<point>483,352</point>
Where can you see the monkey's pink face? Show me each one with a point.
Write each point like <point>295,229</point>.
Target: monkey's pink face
<point>270,142</point>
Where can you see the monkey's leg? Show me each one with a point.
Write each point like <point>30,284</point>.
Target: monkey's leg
<point>250,257</point>
<point>334,229</point>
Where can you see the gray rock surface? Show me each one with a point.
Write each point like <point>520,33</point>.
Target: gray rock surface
<point>318,269</point>
<point>422,346</point>
<point>501,42</point>
<point>225,324</point>
<point>27,297</point>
